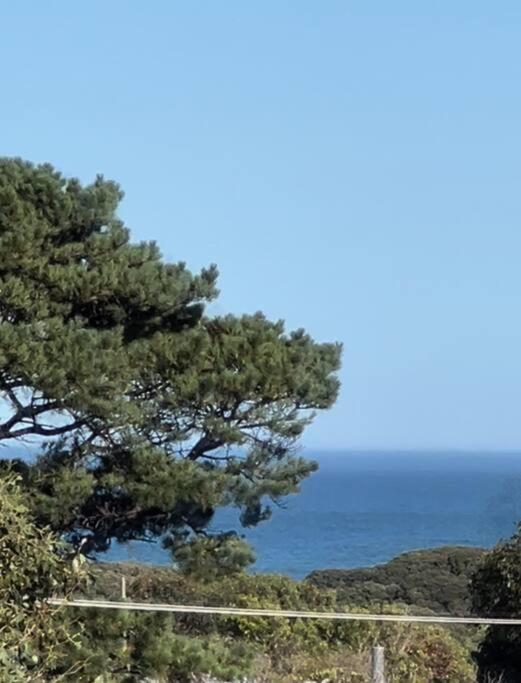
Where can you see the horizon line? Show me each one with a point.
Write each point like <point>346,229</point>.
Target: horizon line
<point>413,449</point>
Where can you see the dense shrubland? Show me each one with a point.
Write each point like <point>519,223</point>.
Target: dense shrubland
<point>437,579</point>
<point>269,649</point>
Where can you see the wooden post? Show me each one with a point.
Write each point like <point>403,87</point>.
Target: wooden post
<point>377,665</point>
<point>124,597</point>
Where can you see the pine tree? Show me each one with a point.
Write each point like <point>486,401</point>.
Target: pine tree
<point>154,415</point>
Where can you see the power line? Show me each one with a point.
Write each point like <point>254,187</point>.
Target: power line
<point>288,614</point>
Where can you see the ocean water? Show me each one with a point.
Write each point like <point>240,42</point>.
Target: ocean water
<point>363,508</point>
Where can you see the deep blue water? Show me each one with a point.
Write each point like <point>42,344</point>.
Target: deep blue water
<point>364,508</point>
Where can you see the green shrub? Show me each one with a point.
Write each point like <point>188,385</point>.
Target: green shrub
<point>32,568</point>
<point>496,592</point>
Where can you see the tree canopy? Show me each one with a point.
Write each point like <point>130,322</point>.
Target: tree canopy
<point>153,414</point>
<point>437,579</point>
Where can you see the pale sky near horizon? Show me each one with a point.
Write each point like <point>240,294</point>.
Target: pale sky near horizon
<point>352,167</point>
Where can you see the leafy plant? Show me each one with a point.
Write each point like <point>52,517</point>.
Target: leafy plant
<point>33,567</point>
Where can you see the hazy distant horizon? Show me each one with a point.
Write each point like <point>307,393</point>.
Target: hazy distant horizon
<point>317,451</point>
<point>409,450</point>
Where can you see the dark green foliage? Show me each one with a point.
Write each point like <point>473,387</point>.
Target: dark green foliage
<point>74,294</point>
<point>129,647</point>
<point>496,592</point>
<point>159,414</point>
<point>437,580</point>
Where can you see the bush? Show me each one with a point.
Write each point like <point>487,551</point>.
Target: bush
<point>496,592</point>
<point>32,568</point>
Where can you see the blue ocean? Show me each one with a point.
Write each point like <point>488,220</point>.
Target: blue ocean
<point>363,508</point>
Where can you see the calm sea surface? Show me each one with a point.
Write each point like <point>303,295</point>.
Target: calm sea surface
<point>364,508</point>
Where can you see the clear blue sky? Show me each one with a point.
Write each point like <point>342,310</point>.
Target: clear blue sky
<point>352,167</point>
